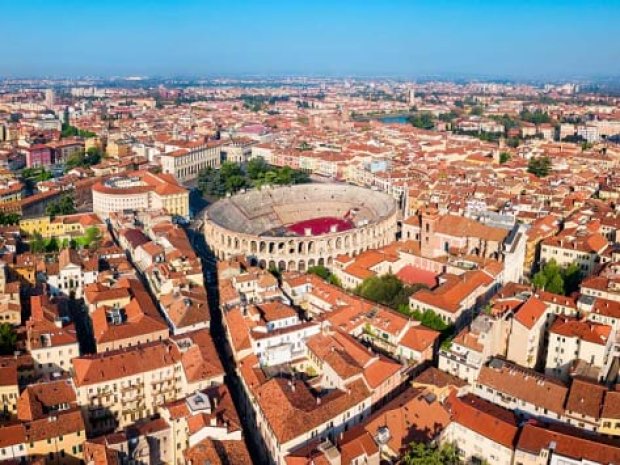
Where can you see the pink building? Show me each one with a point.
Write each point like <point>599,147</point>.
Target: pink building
<point>39,155</point>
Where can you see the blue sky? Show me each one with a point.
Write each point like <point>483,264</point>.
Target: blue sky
<point>354,37</point>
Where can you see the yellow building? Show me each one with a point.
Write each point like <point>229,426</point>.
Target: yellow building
<point>24,268</point>
<point>118,388</point>
<point>58,438</point>
<point>610,415</point>
<point>118,148</point>
<point>61,227</point>
<point>93,143</point>
<point>11,191</point>
<point>9,389</point>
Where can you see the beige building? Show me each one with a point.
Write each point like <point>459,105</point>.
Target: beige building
<point>139,191</point>
<point>282,422</point>
<point>545,445</point>
<point>610,415</point>
<point>574,246</point>
<point>481,431</point>
<point>51,339</point>
<point>571,340</point>
<point>53,422</point>
<point>118,148</point>
<point>525,344</point>
<point>9,389</point>
<point>188,160</point>
<point>118,388</point>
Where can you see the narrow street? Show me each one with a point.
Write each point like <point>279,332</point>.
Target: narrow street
<point>209,266</point>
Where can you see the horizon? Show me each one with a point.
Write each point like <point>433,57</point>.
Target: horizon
<point>392,40</point>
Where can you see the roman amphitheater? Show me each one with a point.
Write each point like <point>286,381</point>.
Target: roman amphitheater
<point>297,227</point>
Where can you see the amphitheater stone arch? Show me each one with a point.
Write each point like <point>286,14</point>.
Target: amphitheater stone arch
<point>236,225</point>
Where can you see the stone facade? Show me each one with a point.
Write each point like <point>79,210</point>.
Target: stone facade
<point>237,234</point>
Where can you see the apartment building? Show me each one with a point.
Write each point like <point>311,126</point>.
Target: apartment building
<point>289,415</point>
<point>120,387</point>
<point>480,430</point>
<point>457,298</point>
<point>51,337</point>
<point>542,444</point>
<point>71,273</point>
<point>571,340</point>
<point>188,159</point>
<point>524,391</point>
<point>574,246</point>
<point>53,422</point>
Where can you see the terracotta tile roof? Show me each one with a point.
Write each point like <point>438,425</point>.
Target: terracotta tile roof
<point>60,424</point>
<point>38,399</point>
<point>497,424</point>
<point>524,384</point>
<point>459,226</point>
<point>12,435</point>
<point>291,413</point>
<point>99,368</point>
<point>450,295</point>
<point>415,415</point>
<point>531,312</point>
<point>419,338</point>
<point>568,442</point>
<point>583,330</point>
<point>216,452</point>
<point>585,398</point>
<point>412,275</point>
<point>200,361</point>
<point>434,377</point>
<point>611,405</point>
<point>238,329</point>
<point>273,311</point>
<point>609,308</point>
<point>8,372</point>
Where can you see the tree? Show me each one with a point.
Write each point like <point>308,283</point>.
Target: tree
<point>210,183</point>
<point>477,111</point>
<point>257,167</point>
<point>430,319</point>
<point>448,117</point>
<point>90,238</point>
<point>9,218</point>
<point>37,244</point>
<point>504,157</point>
<point>52,245</point>
<point>8,339</point>
<point>513,142</point>
<point>234,183</point>
<point>386,290</point>
<point>505,121</point>
<point>572,278</point>
<point>536,117</point>
<point>420,453</point>
<point>422,120</point>
<point>539,166</point>
<point>556,279</point>
<point>63,206</point>
<point>231,177</point>
<point>71,131</point>
<point>324,273</point>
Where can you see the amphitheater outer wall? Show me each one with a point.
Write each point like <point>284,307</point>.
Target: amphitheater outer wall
<point>298,253</point>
